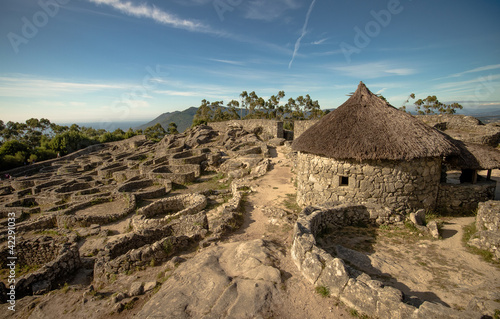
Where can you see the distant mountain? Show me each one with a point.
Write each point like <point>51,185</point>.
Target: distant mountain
<point>183,119</point>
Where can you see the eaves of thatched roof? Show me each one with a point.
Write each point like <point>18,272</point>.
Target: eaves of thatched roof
<point>366,127</point>
<point>474,156</point>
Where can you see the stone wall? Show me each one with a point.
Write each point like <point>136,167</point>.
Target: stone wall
<point>464,128</point>
<point>67,218</point>
<point>173,207</point>
<point>356,290</point>
<point>35,168</point>
<point>139,248</point>
<point>58,260</point>
<point>451,121</point>
<point>300,127</point>
<point>400,185</point>
<point>270,128</point>
<point>464,198</point>
<point>488,229</point>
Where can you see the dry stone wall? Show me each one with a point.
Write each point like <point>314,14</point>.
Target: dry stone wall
<point>300,127</point>
<point>270,128</point>
<point>464,128</point>
<point>356,290</point>
<point>58,260</point>
<point>464,198</point>
<point>402,186</point>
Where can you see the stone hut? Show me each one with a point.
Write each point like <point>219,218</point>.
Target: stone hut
<point>367,151</point>
<point>473,158</point>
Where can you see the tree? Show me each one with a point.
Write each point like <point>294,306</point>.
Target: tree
<point>12,147</point>
<point>431,105</point>
<point>130,133</point>
<point>312,107</point>
<point>155,133</point>
<point>232,108</point>
<point>203,114</point>
<point>172,128</point>
<point>244,99</point>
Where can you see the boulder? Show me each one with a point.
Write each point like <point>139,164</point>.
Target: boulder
<point>418,218</point>
<point>136,289</point>
<point>433,229</point>
<point>235,280</point>
<point>41,287</point>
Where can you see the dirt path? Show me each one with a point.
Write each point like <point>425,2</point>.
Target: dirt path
<point>440,271</point>
<point>269,192</point>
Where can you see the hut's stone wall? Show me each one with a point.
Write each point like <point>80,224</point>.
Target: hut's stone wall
<point>271,128</point>
<point>300,127</point>
<point>403,186</point>
<point>464,198</point>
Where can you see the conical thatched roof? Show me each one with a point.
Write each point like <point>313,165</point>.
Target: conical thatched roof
<point>366,127</point>
<point>474,156</point>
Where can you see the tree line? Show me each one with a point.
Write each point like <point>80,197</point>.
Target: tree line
<point>253,106</point>
<point>431,105</point>
<point>39,140</point>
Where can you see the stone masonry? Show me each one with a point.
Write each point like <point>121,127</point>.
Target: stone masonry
<point>400,185</point>
<point>356,290</point>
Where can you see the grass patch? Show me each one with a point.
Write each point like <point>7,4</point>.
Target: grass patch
<point>167,247</point>
<point>323,291</point>
<point>411,227</point>
<point>49,232</point>
<point>129,305</point>
<point>290,203</point>
<point>65,288</point>
<point>469,232</point>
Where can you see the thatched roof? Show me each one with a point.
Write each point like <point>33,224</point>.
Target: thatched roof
<point>366,127</point>
<point>474,156</point>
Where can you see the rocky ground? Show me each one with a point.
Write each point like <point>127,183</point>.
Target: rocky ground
<point>240,266</point>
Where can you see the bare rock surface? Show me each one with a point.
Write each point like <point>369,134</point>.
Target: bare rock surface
<point>235,280</point>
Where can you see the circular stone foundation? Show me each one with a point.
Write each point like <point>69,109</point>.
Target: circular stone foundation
<point>162,211</point>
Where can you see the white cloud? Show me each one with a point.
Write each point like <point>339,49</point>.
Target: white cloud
<point>21,85</point>
<point>480,69</point>
<point>178,93</point>
<point>373,70</point>
<point>487,82</point>
<point>158,15</point>
<point>269,10</point>
<point>400,71</point>
<point>228,61</point>
<point>304,32</point>
<point>319,41</point>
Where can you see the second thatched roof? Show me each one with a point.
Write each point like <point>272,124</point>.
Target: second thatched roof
<point>366,127</point>
<point>474,156</point>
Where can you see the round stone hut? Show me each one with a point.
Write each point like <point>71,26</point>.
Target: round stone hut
<point>367,151</point>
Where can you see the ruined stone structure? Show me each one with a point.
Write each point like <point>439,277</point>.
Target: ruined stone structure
<point>464,198</point>
<point>268,128</point>
<point>299,127</point>
<point>57,258</point>
<point>367,151</point>
<point>464,128</point>
<point>354,288</point>
<point>78,197</point>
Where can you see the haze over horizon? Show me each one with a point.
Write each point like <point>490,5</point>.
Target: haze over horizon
<point>131,60</point>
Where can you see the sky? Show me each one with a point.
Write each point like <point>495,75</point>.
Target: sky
<point>132,60</point>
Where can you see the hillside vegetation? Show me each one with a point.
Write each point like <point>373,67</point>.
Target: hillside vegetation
<point>39,140</point>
